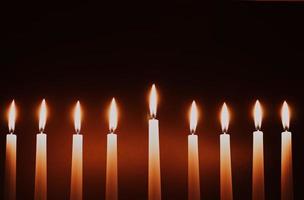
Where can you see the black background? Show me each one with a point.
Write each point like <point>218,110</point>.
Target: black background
<point>210,52</point>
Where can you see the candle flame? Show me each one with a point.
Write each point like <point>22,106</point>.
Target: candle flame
<point>12,117</point>
<point>193,117</point>
<point>77,117</point>
<point>113,115</point>
<point>285,115</point>
<point>153,101</point>
<point>42,116</point>
<point>224,118</point>
<point>258,114</point>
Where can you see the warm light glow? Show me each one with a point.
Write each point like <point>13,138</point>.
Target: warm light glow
<point>258,114</point>
<point>285,115</point>
<point>113,115</point>
<point>12,117</point>
<point>224,118</point>
<point>42,116</point>
<point>153,101</point>
<point>193,117</point>
<point>77,117</point>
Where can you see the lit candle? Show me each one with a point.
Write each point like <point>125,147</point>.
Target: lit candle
<point>193,159</point>
<point>286,157</point>
<point>41,165</point>
<point>10,164</point>
<point>76,174</point>
<point>111,176</point>
<point>154,184</point>
<point>225,165</point>
<point>258,156</point>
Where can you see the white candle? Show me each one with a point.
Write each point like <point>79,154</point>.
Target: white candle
<point>76,173</point>
<point>225,158</point>
<point>41,165</point>
<point>10,163</point>
<point>193,158</point>
<point>286,157</point>
<point>258,156</point>
<point>154,180</point>
<point>111,175</point>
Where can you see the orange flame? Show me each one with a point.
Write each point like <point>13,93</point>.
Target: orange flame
<point>77,117</point>
<point>153,101</point>
<point>42,116</point>
<point>12,117</point>
<point>225,118</point>
<point>285,115</point>
<point>193,115</point>
<point>113,115</point>
<point>258,115</point>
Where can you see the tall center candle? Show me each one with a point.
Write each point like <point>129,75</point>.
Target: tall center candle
<point>193,158</point>
<point>154,180</point>
<point>10,163</point>
<point>41,165</point>
<point>225,157</point>
<point>111,174</point>
<point>286,157</point>
<point>76,173</point>
<point>258,156</point>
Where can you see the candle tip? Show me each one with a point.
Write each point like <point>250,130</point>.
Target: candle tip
<point>258,114</point>
<point>193,115</point>
<point>285,115</point>
<point>12,117</point>
<point>77,117</point>
<point>42,116</point>
<point>113,115</point>
<point>225,118</point>
<point>153,101</point>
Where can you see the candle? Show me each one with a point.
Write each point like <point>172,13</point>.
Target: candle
<point>154,182</point>
<point>193,159</point>
<point>111,175</point>
<point>10,164</point>
<point>258,156</point>
<point>41,167</point>
<point>76,174</point>
<point>286,156</point>
<point>225,164</point>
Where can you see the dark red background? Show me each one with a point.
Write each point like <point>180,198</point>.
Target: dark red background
<point>209,52</point>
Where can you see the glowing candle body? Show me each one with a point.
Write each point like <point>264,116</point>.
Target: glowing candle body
<point>111,175</point>
<point>154,161</point>
<point>286,167</point>
<point>10,166</point>
<point>193,168</point>
<point>225,167</point>
<point>258,167</point>
<point>41,168</point>
<point>76,175</point>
